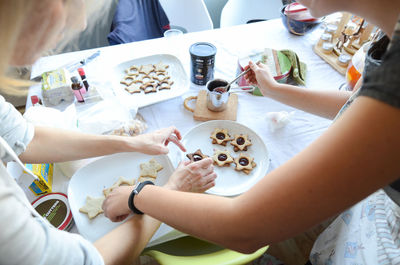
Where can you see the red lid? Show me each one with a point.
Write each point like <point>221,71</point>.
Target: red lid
<point>55,208</point>
<point>34,100</point>
<point>294,8</point>
<point>81,71</point>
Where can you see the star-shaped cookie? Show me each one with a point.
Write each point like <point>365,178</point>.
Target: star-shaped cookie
<point>133,70</point>
<point>196,156</point>
<point>244,163</point>
<point>146,69</point>
<point>92,206</point>
<point>165,84</point>
<point>121,181</point>
<point>128,80</point>
<point>160,67</point>
<point>134,88</point>
<point>150,169</point>
<point>220,136</point>
<point>222,158</point>
<point>241,142</point>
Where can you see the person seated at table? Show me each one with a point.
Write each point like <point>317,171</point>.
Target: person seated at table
<point>348,169</point>
<point>28,28</point>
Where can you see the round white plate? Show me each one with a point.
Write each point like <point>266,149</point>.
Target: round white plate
<point>229,182</point>
<point>91,179</point>
<point>175,71</point>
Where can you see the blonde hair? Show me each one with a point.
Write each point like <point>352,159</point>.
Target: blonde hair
<point>12,16</point>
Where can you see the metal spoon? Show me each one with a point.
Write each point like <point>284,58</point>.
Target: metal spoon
<point>236,78</point>
<point>240,89</point>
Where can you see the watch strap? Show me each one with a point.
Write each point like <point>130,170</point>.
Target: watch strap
<point>134,192</point>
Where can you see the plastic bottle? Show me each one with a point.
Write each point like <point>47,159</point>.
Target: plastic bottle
<point>356,67</point>
<point>78,89</point>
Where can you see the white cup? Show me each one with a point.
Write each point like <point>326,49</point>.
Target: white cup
<point>172,33</point>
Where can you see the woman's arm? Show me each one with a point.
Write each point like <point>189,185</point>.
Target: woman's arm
<point>125,243</point>
<point>56,145</point>
<point>322,103</point>
<point>356,156</point>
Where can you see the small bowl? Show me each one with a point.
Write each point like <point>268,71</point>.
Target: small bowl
<point>297,27</point>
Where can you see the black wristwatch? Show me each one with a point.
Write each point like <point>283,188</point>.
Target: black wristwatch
<point>136,191</point>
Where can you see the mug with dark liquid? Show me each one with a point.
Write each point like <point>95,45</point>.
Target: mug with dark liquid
<point>217,94</point>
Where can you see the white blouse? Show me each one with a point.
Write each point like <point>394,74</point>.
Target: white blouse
<point>26,237</point>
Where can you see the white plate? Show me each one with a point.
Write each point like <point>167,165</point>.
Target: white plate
<point>102,173</point>
<point>175,71</point>
<point>229,182</point>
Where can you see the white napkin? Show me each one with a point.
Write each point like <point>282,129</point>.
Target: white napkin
<point>278,120</point>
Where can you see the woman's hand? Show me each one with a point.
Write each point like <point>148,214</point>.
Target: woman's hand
<point>193,176</point>
<point>261,77</point>
<point>115,206</point>
<point>155,143</point>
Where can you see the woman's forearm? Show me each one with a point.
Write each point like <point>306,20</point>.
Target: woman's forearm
<point>56,145</point>
<point>125,243</point>
<point>324,179</point>
<point>322,103</point>
<point>169,206</point>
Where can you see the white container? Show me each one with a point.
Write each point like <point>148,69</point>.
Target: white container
<point>56,87</point>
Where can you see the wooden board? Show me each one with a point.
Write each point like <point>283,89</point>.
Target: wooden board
<point>202,113</point>
<point>331,59</point>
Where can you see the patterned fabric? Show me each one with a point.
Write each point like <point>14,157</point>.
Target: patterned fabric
<point>368,232</point>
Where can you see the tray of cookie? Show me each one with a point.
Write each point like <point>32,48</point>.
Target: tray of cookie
<point>151,79</point>
<point>90,184</point>
<point>240,156</point>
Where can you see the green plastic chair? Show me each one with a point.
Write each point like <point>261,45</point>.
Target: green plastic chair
<point>193,251</point>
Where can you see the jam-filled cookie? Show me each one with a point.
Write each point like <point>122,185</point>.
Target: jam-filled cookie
<point>220,136</point>
<point>196,156</point>
<point>244,163</point>
<point>222,158</point>
<point>241,142</point>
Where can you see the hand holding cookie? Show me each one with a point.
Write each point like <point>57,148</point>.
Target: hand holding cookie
<point>115,206</point>
<point>156,143</point>
<point>190,176</point>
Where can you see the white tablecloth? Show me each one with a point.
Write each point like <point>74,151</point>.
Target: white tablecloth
<point>231,43</point>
